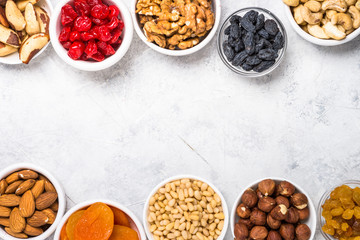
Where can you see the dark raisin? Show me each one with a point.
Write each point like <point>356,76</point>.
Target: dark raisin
<point>263,43</point>
<point>263,33</point>
<point>247,25</point>
<point>239,46</point>
<point>228,51</point>
<point>271,27</point>
<point>260,22</point>
<point>278,41</point>
<point>257,38</point>
<point>235,19</point>
<point>227,30</point>
<point>249,43</point>
<point>232,41</point>
<point>235,31</point>
<point>253,60</point>
<point>251,16</point>
<point>267,54</point>
<point>264,65</point>
<point>247,67</point>
<point>239,58</point>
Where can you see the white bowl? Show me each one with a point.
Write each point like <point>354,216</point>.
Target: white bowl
<point>314,40</point>
<point>61,197</point>
<point>127,36</point>
<point>216,6</point>
<point>134,221</point>
<point>311,222</point>
<point>146,207</point>
<point>14,57</point>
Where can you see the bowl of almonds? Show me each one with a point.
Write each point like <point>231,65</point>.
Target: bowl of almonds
<point>185,207</point>
<point>32,202</point>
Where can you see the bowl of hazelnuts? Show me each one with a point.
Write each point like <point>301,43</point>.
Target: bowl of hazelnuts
<point>273,209</point>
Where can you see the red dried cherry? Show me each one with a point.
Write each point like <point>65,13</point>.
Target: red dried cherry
<point>91,48</point>
<point>94,2</point>
<point>105,49</point>
<point>99,21</point>
<point>83,1</point>
<point>113,11</point>
<point>82,24</point>
<point>86,36</point>
<point>68,14</point>
<point>114,22</point>
<point>76,50</point>
<point>64,34</point>
<point>74,36</point>
<point>84,57</point>
<point>103,33</point>
<point>82,8</point>
<point>66,45</point>
<point>100,11</point>
<point>116,33</point>
<point>98,57</point>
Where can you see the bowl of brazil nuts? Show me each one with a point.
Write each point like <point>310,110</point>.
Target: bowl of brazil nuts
<point>273,209</point>
<point>185,207</point>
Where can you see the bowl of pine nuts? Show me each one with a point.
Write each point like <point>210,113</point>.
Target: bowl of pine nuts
<point>186,207</point>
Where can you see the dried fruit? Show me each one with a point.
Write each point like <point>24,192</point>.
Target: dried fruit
<point>82,24</point>
<point>271,27</point>
<point>123,233</point>
<point>100,11</point>
<point>76,50</point>
<point>68,14</point>
<point>120,217</point>
<point>72,222</point>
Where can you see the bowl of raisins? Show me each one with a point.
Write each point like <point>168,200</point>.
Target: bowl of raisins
<point>91,35</point>
<point>252,42</point>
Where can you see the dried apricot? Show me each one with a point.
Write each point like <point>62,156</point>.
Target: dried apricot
<point>63,235</point>
<point>71,224</point>
<point>96,223</point>
<point>120,217</point>
<point>123,233</point>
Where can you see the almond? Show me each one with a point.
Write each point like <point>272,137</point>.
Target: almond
<point>5,212</point>
<point>38,219</point>
<point>55,206</point>
<point>5,222</point>
<point>14,234</point>
<point>38,188</point>
<point>28,184</point>
<point>12,178</point>
<point>50,214</point>
<point>9,200</point>
<point>48,185</point>
<point>17,222</point>
<point>3,186</point>
<point>27,204</point>
<point>28,174</point>
<point>45,200</point>
<point>32,231</point>
<point>13,186</point>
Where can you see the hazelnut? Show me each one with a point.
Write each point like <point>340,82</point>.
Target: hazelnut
<point>266,204</point>
<point>246,222</point>
<point>303,213</point>
<point>267,187</point>
<point>274,235</point>
<point>292,216</point>
<point>279,212</point>
<point>303,232</point>
<point>249,198</point>
<point>273,223</point>
<point>286,189</point>
<point>282,200</point>
<point>287,231</point>
<point>299,200</point>
<point>259,194</point>
<point>258,233</point>
<point>258,217</point>
<point>241,231</point>
<point>243,211</point>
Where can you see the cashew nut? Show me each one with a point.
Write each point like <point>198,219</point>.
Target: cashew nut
<point>305,28</point>
<point>291,3</point>
<point>309,17</point>
<point>342,19</point>
<point>330,14</point>
<point>317,31</point>
<point>313,5</point>
<point>357,4</point>
<point>297,15</point>
<point>333,32</point>
<point>338,5</point>
<point>355,14</point>
<point>350,2</point>
<point>303,1</point>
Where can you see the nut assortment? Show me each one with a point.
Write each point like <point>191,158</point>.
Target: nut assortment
<point>24,28</point>
<point>175,24</point>
<point>186,209</point>
<point>273,212</point>
<point>98,222</point>
<point>326,19</point>
<point>28,204</point>
<point>253,42</point>
<point>91,30</point>
<point>342,213</point>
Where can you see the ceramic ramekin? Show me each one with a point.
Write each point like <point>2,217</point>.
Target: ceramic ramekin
<point>61,197</point>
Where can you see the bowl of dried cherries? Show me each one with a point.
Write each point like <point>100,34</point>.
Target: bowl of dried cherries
<point>91,35</point>
<point>273,209</point>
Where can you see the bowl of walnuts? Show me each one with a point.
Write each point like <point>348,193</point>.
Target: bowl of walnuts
<point>273,209</point>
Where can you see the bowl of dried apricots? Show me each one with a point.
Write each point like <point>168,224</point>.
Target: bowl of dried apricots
<point>339,212</point>
<point>100,220</point>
